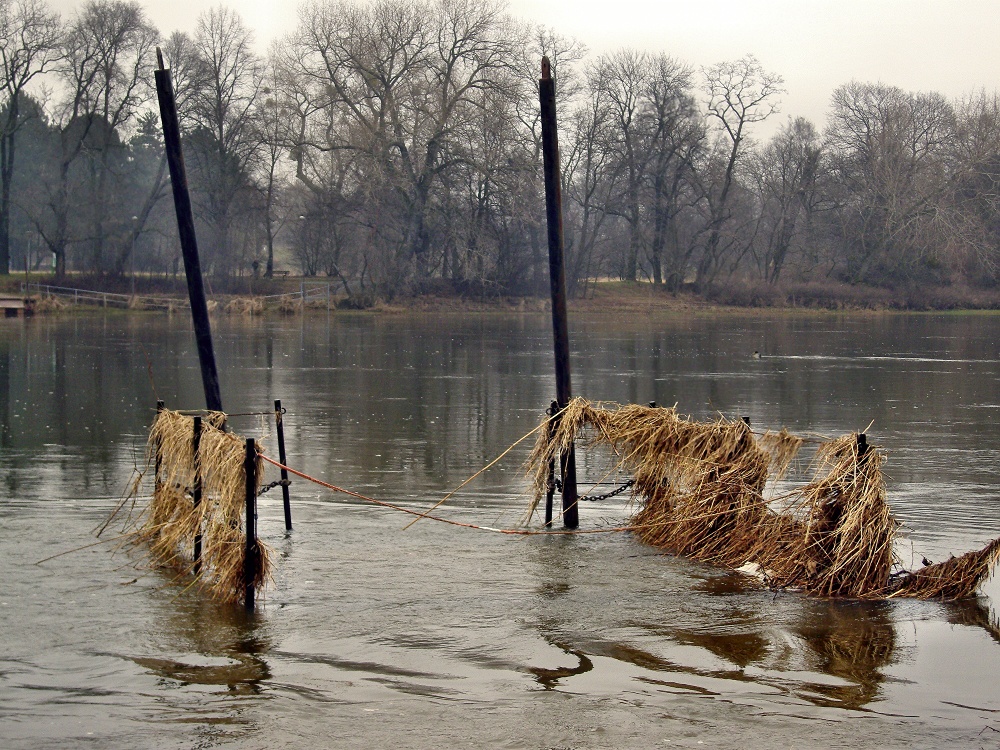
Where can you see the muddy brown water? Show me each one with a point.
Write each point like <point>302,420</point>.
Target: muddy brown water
<point>439,636</point>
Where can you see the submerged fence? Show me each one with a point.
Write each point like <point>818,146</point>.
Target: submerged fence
<point>699,488</point>
<point>201,520</point>
<point>700,491</point>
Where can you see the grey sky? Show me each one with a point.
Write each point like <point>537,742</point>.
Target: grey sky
<point>919,45</point>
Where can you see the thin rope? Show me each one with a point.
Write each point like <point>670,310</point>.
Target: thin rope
<point>488,466</point>
<point>426,514</point>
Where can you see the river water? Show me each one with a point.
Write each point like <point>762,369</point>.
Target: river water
<point>439,636</point>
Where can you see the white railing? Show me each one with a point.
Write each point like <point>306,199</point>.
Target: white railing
<point>102,299</point>
<point>310,291</point>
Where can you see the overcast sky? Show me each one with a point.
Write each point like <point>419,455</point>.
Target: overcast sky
<point>948,46</point>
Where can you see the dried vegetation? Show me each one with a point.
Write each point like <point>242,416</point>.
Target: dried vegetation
<point>168,527</point>
<point>700,488</point>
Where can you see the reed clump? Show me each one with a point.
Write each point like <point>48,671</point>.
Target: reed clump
<point>289,306</point>
<point>700,493</point>
<point>244,306</point>
<point>47,303</point>
<point>951,579</point>
<point>172,521</point>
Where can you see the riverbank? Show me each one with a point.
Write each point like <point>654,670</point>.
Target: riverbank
<point>291,295</point>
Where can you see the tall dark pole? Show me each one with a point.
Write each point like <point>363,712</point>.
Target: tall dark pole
<point>557,279</point>
<point>185,230</point>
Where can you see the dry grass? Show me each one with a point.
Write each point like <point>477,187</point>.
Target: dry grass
<point>843,542</point>
<point>289,306</point>
<point>171,522</point>
<point>700,487</point>
<point>244,306</point>
<point>48,304</point>
<point>952,579</point>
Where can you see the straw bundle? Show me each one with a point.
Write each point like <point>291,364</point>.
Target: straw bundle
<point>244,306</point>
<point>48,303</point>
<point>289,306</point>
<point>952,579</point>
<point>700,487</point>
<point>172,521</point>
<point>847,545</point>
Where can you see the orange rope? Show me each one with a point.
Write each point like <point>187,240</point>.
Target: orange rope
<point>423,514</point>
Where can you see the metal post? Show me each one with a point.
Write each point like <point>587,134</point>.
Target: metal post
<point>196,489</point>
<point>280,427</point>
<point>159,457</point>
<point>131,256</point>
<point>185,230</point>
<point>250,553</point>
<point>557,280</point>
<point>550,489</point>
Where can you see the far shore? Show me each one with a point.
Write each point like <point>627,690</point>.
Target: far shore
<point>283,295</point>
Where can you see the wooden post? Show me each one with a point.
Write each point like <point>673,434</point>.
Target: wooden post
<point>196,489</point>
<point>280,428</point>
<point>250,553</point>
<point>557,280</point>
<point>185,230</point>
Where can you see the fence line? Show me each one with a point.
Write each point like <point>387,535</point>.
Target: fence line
<point>103,299</point>
<point>309,292</point>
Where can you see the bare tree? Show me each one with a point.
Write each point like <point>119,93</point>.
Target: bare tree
<point>29,46</point>
<point>888,150</point>
<point>393,83</point>
<point>740,94</point>
<point>589,168</point>
<point>273,123</point>
<point>786,173</point>
<point>104,71</point>
<point>619,81</point>
<point>674,137</point>
<point>224,139</point>
<point>972,208</point>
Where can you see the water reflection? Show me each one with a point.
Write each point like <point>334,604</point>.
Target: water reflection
<point>212,644</point>
<point>550,678</point>
<point>854,641</point>
<point>720,626</point>
<point>407,407</point>
<point>974,613</point>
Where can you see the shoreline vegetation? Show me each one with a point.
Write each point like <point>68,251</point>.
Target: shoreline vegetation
<point>395,147</point>
<point>284,295</point>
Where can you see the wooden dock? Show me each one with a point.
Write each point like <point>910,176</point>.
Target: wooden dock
<point>14,305</point>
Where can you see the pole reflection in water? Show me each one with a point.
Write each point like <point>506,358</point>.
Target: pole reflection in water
<point>216,645</point>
